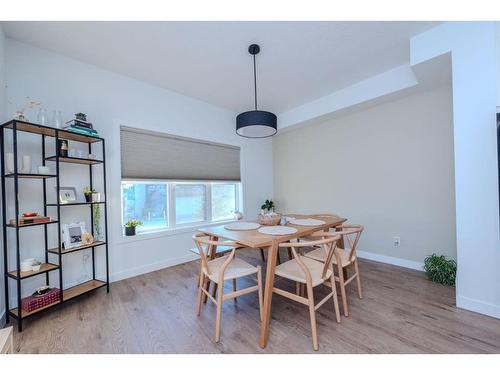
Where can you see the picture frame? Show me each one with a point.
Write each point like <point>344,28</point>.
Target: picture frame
<point>67,195</point>
<point>72,234</point>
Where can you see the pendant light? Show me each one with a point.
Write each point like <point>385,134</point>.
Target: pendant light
<point>256,124</point>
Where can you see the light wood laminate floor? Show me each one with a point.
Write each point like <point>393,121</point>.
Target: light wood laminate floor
<point>402,312</point>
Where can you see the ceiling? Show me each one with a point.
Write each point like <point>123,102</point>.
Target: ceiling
<point>299,61</point>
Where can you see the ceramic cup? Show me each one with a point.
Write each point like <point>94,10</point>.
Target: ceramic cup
<point>26,164</point>
<point>10,162</point>
<point>43,169</point>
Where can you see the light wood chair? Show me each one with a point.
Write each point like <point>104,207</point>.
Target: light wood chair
<point>222,269</point>
<point>343,259</point>
<point>311,273</point>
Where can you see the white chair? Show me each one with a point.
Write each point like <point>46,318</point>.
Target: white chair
<point>343,259</point>
<point>222,269</point>
<point>312,273</point>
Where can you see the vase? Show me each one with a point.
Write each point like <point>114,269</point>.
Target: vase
<point>96,197</point>
<point>129,231</point>
<point>26,168</point>
<point>10,162</point>
<point>88,197</point>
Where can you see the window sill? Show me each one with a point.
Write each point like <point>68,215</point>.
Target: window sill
<point>168,232</point>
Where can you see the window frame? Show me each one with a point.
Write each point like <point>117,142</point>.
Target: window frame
<point>172,225</point>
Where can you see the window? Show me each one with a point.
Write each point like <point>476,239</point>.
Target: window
<point>170,204</point>
<point>190,203</point>
<point>223,201</point>
<point>146,202</point>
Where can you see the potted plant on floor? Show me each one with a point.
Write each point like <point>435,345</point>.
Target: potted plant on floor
<point>130,227</point>
<point>441,270</point>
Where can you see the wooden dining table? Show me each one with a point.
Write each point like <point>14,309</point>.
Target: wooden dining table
<point>257,240</point>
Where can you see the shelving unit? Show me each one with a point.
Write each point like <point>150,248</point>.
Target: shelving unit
<point>58,252</point>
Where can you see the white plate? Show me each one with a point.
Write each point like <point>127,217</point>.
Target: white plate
<point>242,225</point>
<point>307,222</point>
<point>277,230</point>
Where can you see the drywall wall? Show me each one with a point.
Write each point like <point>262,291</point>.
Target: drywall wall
<point>389,167</point>
<point>474,70</point>
<point>111,100</point>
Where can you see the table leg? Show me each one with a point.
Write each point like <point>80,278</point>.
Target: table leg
<point>211,253</point>
<point>272,253</point>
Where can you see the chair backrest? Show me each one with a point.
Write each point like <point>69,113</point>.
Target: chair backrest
<point>324,215</point>
<point>205,246</point>
<point>328,242</point>
<point>351,233</point>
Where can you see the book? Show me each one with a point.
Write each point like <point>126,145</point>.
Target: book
<point>83,124</point>
<point>30,220</point>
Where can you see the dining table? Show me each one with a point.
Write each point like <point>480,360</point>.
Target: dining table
<point>256,240</point>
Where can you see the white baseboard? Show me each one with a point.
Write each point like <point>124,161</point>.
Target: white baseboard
<point>131,272</point>
<point>419,266</point>
<point>480,307</point>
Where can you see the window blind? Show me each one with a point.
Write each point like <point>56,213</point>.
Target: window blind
<point>154,155</point>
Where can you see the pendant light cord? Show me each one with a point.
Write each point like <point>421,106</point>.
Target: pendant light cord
<point>255,82</point>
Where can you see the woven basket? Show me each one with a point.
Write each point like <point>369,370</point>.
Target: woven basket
<point>268,219</point>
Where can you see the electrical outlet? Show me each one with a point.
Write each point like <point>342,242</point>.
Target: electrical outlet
<point>396,241</point>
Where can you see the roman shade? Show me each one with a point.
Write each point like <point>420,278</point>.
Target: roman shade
<point>154,155</point>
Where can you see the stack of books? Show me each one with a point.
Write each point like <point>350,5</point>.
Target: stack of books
<point>31,220</point>
<point>81,127</point>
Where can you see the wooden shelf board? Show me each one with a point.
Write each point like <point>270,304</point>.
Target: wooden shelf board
<point>30,175</point>
<point>74,160</point>
<point>26,313</point>
<point>55,250</point>
<point>45,267</point>
<point>82,289</point>
<point>48,131</point>
<point>31,225</point>
<point>73,204</point>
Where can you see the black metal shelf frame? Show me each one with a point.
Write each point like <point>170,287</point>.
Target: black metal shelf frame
<point>22,126</point>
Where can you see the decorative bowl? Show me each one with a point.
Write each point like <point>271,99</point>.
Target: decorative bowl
<point>268,219</point>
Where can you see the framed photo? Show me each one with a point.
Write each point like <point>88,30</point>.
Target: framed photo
<point>67,194</point>
<point>72,234</point>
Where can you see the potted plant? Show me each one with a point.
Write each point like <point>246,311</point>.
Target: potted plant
<point>268,206</point>
<point>81,116</point>
<point>130,227</point>
<point>87,192</point>
<point>441,270</point>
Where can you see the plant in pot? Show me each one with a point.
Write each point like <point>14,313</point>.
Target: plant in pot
<point>87,192</point>
<point>81,116</point>
<point>130,227</point>
<point>268,206</point>
<point>441,270</point>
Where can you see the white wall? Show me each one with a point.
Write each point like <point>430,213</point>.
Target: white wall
<point>474,66</point>
<point>389,167</point>
<point>111,100</point>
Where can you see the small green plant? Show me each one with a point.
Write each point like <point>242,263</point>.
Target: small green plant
<point>441,270</point>
<point>81,116</point>
<point>96,212</point>
<point>87,190</point>
<point>133,223</point>
<point>268,205</point>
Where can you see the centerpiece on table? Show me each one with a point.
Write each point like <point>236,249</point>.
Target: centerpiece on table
<point>267,215</point>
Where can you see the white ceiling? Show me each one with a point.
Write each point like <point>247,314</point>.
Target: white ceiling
<point>299,61</point>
